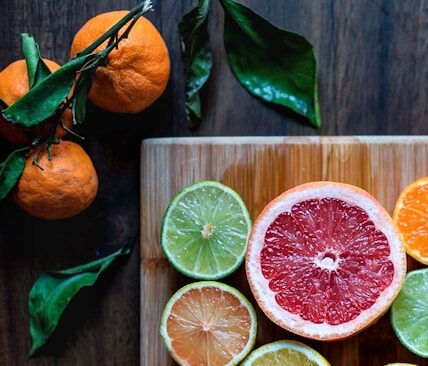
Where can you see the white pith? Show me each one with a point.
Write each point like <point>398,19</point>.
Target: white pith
<point>260,285</point>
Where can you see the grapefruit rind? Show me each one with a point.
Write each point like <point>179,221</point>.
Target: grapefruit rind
<point>418,301</point>
<point>414,253</point>
<point>309,352</point>
<point>164,242</point>
<point>167,311</point>
<point>260,285</point>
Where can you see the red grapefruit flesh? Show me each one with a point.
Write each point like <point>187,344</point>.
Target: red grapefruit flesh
<point>325,260</point>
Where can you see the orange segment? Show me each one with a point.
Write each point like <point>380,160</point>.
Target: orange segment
<point>411,218</point>
<point>208,323</point>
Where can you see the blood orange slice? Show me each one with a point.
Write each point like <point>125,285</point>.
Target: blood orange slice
<point>208,323</point>
<point>324,260</point>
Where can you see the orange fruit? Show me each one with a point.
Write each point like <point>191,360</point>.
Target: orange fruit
<point>137,72</point>
<point>325,260</point>
<point>411,217</point>
<point>208,323</point>
<point>13,85</point>
<point>66,186</point>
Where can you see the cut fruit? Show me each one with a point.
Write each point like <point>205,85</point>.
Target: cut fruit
<point>208,323</point>
<point>411,217</point>
<point>324,260</point>
<point>409,313</point>
<point>205,231</point>
<point>285,353</point>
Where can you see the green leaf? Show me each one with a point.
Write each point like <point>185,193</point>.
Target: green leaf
<point>41,102</point>
<point>195,45</point>
<point>80,98</point>
<point>273,64</point>
<point>53,291</point>
<point>10,171</point>
<point>37,69</point>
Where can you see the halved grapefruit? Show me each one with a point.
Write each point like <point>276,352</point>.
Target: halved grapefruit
<point>324,260</point>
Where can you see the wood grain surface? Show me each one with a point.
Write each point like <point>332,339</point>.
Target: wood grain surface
<point>259,169</point>
<point>373,80</point>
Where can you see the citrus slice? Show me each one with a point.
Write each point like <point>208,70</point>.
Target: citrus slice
<point>409,314</point>
<point>324,260</point>
<point>411,217</point>
<point>282,353</point>
<point>208,323</point>
<point>205,231</point>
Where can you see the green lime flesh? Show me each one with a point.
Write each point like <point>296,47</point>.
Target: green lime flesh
<point>205,231</point>
<point>409,313</point>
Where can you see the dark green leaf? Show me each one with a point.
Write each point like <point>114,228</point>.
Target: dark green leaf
<point>10,171</point>
<point>41,102</point>
<point>195,44</point>
<point>275,65</point>
<point>80,98</point>
<point>37,69</point>
<point>52,292</point>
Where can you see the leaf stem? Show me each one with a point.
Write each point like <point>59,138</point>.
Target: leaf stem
<point>136,12</point>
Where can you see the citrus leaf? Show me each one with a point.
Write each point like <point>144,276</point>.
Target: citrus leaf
<point>80,98</point>
<point>196,50</point>
<point>10,171</point>
<point>41,102</point>
<point>53,291</point>
<point>273,64</point>
<point>36,67</point>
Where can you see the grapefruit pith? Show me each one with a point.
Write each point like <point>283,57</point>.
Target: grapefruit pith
<point>324,260</point>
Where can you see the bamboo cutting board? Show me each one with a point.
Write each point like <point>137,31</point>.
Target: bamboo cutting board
<point>259,169</point>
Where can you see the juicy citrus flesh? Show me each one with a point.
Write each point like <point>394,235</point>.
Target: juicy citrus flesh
<point>411,217</point>
<point>409,313</point>
<point>326,261</point>
<point>282,353</point>
<point>138,70</point>
<point>209,324</point>
<point>205,230</point>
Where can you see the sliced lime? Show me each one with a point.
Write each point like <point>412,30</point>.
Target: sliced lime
<point>285,353</point>
<point>409,313</point>
<point>205,230</point>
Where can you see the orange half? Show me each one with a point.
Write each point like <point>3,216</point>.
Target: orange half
<point>411,217</point>
<point>208,323</point>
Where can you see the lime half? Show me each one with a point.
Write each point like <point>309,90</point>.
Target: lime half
<point>285,353</point>
<point>205,230</point>
<point>409,314</point>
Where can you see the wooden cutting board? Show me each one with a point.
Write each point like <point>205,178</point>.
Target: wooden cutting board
<point>259,169</point>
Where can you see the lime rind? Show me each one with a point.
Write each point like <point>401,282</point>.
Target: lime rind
<point>309,352</point>
<point>195,285</point>
<point>409,313</point>
<point>223,251</point>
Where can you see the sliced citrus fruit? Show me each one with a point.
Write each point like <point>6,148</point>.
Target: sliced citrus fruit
<point>411,217</point>
<point>324,260</point>
<point>409,313</point>
<point>282,353</point>
<point>208,323</point>
<point>205,230</point>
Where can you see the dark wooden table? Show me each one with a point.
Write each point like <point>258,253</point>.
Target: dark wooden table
<point>373,80</point>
